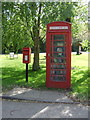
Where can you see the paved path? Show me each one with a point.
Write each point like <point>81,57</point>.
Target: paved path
<point>20,109</point>
<point>31,94</point>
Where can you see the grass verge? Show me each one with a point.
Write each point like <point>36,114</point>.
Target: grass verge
<point>13,74</point>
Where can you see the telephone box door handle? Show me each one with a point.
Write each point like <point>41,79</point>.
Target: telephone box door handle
<point>49,54</point>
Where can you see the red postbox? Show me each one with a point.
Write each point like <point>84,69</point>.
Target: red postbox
<point>58,55</point>
<point>26,55</point>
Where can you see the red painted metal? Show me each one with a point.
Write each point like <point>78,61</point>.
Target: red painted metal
<point>26,55</point>
<point>58,56</point>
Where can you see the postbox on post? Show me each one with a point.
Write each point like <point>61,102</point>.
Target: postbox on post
<point>58,55</point>
<point>26,59</point>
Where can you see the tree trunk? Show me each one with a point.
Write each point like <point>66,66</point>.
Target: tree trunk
<point>36,39</point>
<point>36,55</point>
<point>78,53</point>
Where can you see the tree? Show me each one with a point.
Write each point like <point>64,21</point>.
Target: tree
<point>80,26</point>
<point>24,24</point>
<point>48,12</point>
<point>15,35</point>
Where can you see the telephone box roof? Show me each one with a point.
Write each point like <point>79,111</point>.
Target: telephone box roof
<point>59,22</point>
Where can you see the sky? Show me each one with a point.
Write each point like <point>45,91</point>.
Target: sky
<point>83,1</point>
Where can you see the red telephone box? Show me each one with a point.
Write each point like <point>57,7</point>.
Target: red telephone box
<point>58,55</point>
<point>26,55</point>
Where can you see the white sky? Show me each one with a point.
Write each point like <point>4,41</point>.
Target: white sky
<point>83,1</point>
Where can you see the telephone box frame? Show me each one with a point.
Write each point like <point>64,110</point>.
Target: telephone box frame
<point>58,28</point>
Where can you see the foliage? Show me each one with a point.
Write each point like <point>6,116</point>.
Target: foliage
<point>15,35</point>
<point>80,26</point>
<point>85,44</point>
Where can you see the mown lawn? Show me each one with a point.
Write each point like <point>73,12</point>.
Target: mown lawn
<point>13,74</point>
<point>80,76</point>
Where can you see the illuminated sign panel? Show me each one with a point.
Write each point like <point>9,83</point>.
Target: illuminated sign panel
<point>58,27</point>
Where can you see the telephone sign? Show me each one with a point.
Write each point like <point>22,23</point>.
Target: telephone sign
<point>58,27</point>
<point>58,55</point>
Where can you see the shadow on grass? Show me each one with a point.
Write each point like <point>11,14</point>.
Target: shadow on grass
<point>80,82</point>
<point>12,78</point>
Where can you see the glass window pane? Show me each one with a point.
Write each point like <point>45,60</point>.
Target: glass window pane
<point>58,55</point>
<point>59,37</point>
<point>54,72</point>
<point>58,66</point>
<point>58,78</point>
<point>59,49</point>
<point>59,43</point>
<point>58,60</point>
